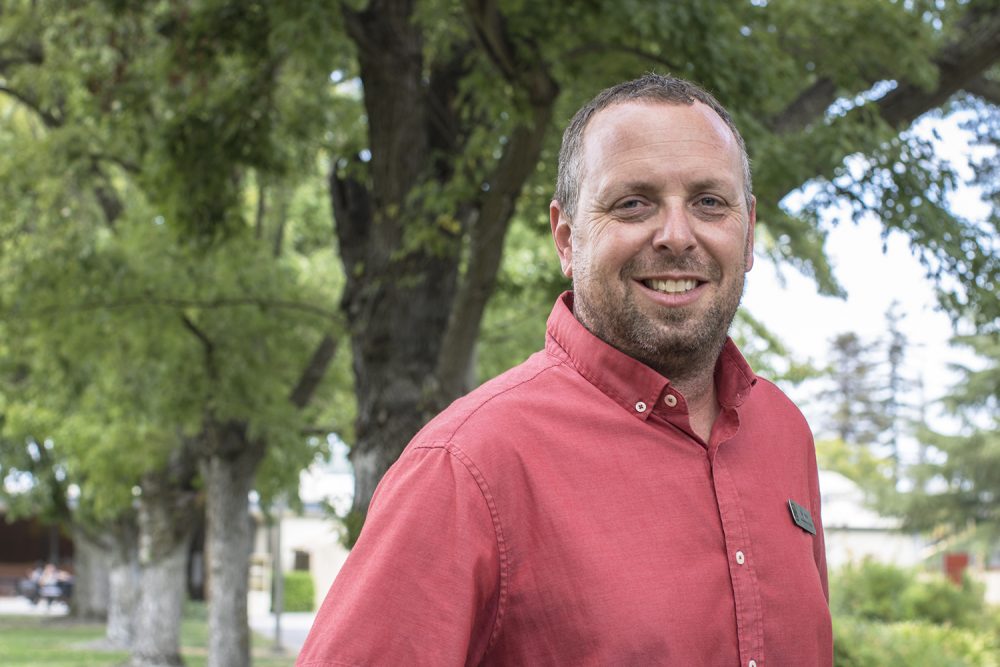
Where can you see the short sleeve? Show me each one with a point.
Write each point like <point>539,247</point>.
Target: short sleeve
<point>422,584</point>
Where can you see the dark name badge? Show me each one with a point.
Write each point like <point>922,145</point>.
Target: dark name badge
<point>801,517</point>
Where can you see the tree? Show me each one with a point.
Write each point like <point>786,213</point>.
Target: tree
<point>459,101</point>
<point>163,161</point>
<point>40,480</point>
<point>858,416</point>
<point>893,404</point>
<point>438,129</point>
<point>960,483</point>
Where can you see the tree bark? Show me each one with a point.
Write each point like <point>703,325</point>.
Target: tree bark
<point>414,316</point>
<point>394,293</point>
<point>124,579</point>
<point>228,476</point>
<point>91,586</point>
<point>228,467</point>
<point>165,529</point>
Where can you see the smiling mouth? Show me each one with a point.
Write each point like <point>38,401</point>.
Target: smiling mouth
<point>671,286</point>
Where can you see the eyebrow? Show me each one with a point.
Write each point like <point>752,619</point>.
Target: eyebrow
<point>713,184</point>
<point>645,186</point>
<point>618,189</point>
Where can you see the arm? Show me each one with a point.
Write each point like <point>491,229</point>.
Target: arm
<point>422,585</point>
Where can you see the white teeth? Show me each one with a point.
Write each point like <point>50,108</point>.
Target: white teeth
<point>671,286</point>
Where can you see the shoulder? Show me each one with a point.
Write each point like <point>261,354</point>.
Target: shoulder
<point>769,402</point>
<point>507,401</point>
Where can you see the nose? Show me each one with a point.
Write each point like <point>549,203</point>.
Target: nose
<point>674,231</point>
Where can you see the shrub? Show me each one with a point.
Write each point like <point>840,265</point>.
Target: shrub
<point>300,592</point>
<point>886,615</point>
<point>940,601</point>
<point>859,643</point>
<point>881,592</point>
<point>869,590</point>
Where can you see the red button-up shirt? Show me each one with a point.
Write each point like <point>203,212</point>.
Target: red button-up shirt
<point>565,513</point>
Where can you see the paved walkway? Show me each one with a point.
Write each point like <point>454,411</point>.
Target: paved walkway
<point>294,628</point>
<point>18,606</point>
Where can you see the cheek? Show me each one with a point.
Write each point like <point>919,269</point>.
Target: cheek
<point>729,249</point>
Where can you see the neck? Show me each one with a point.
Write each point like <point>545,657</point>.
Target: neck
<point>703,405</point>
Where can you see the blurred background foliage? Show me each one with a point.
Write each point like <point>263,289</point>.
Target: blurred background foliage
<point>231,228</point>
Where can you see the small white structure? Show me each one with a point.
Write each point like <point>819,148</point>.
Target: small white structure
<point>854,531</point>
<point>310,541</point>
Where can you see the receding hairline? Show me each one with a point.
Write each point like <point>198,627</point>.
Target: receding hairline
<point>718,122</point>
<point>648,89</point>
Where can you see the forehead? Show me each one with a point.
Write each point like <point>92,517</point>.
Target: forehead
<point>644,135</point>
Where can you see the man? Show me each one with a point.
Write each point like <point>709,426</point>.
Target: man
<point>632,494</point>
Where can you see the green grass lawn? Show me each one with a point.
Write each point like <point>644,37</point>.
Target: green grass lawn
<point>38,641</point>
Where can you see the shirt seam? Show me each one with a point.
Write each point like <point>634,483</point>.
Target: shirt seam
<point>457,453</point>
<point>482,404</point>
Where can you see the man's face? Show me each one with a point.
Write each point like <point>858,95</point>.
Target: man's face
<point>662,235</point>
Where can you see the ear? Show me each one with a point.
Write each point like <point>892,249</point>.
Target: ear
<point>751,224</point>
<point>562,234</point>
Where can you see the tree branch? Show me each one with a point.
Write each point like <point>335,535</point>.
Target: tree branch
<point>488,24</point>
<point>985,89</point>
<point>129,167</point>
<point>258,225</point>
<point>960,64</point>
<point>810,105</point>
<point>32,54</point>
<point>521,154</point>
<point>314,371</point>
<point>975,50</point>
<point>522,66</point>
<point>595,48</point>
<point>48,118</point>
<point>206,343</point>
<point>232,302</point>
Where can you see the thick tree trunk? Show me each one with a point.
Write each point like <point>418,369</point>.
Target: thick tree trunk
<point>124,576</point>
<point>91,588</point>
<point>413,322</point>
<point>398,293</point>
<point>228,480</point>
<point>165,529</point>
<point>158,614</point>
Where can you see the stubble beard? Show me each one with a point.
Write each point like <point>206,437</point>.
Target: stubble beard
<point>676,343</point>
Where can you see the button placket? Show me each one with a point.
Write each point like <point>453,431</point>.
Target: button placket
<point>746,594</point>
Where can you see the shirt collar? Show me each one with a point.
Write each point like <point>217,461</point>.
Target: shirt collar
<point>631,383</point>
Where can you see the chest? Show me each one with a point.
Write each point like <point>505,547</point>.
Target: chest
<point>653,554</point>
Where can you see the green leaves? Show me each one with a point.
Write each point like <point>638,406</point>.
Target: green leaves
<point>196,297</point>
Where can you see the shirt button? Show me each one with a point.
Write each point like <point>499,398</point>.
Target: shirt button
<point>670,400</point>
<point>752,663</point>
<point>740,558</point>
<point>640,407</point>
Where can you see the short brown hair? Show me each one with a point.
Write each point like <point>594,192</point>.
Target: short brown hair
<point>652,88</point>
